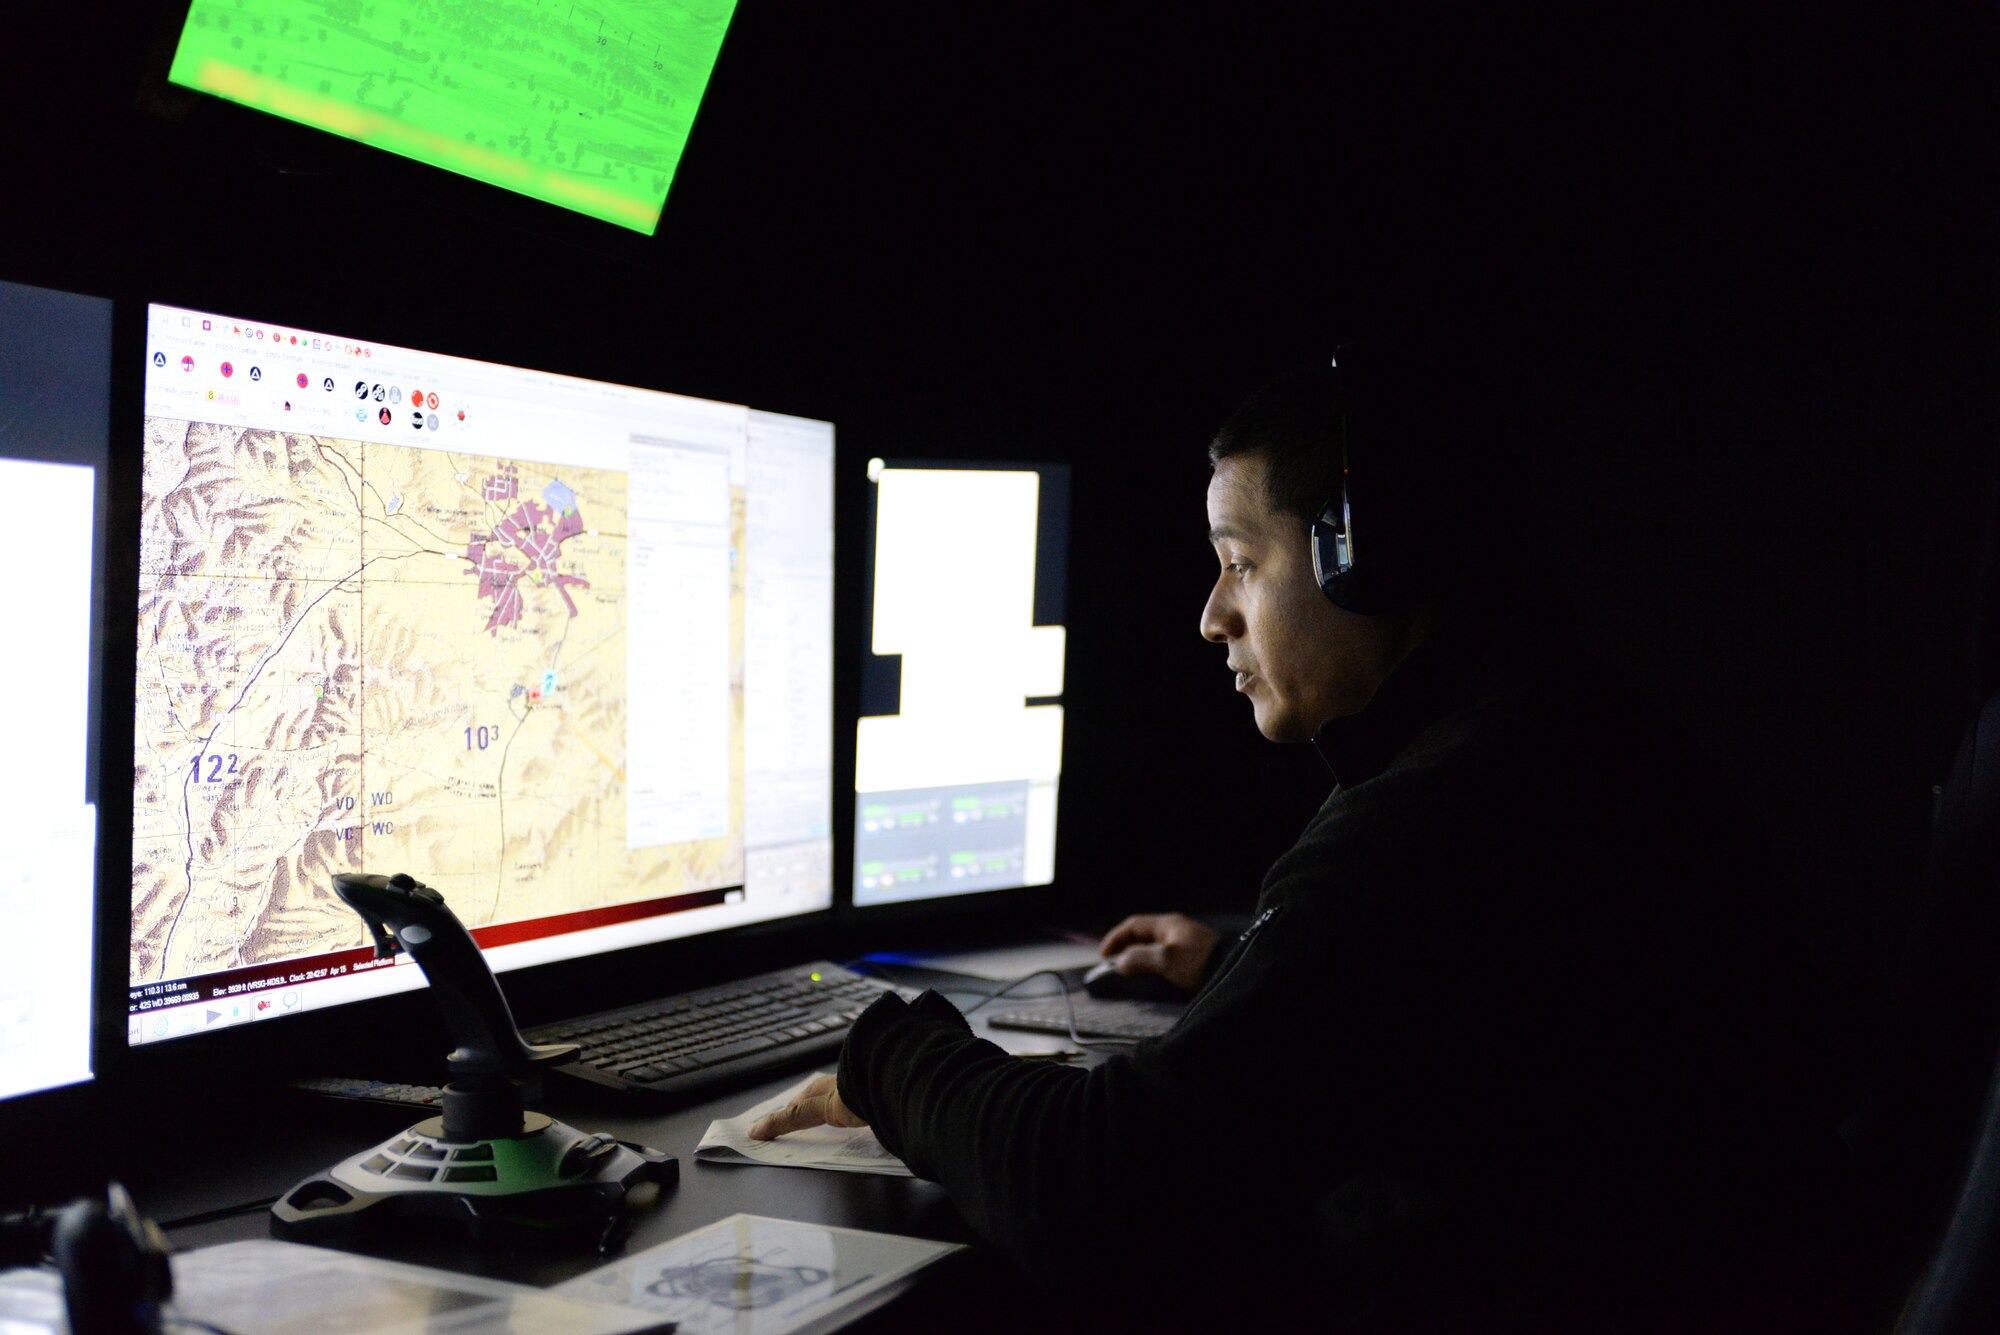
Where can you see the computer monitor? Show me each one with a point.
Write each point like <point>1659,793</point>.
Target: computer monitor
<point>958,751</point>
<point>585,106</point>
<point>55,400</point>
<point>560,649</point>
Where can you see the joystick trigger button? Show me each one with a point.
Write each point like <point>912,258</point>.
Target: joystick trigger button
<point>579,1156</point>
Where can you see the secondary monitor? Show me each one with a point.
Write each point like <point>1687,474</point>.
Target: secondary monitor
<point>958,752</point>
<point>55,396</point>
<point>587,106</point>
<point>562,649</point>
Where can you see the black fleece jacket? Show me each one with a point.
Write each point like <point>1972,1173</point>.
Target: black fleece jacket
<point>1512,993</point>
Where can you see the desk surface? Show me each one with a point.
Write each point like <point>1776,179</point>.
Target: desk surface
<point>269,1152</point>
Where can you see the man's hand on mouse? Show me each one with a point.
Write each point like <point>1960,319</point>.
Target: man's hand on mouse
<point>818,1105</point>
<point>1172,945</point>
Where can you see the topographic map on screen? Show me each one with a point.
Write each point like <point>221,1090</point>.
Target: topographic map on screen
<point>367,656</point>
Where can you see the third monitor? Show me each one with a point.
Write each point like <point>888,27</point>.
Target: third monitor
<point>958,750</point>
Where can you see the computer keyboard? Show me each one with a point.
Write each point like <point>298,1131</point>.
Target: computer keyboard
<point>387,1093</point>
<point>731,1033</point>
<point>1094,1018</point>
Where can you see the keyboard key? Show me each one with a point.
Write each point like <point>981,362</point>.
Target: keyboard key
<point>1105,1019</point>
<point>742,1047</point>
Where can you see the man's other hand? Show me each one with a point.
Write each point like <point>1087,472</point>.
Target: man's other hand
<point>1172,945</point>
<point>818,1105</point>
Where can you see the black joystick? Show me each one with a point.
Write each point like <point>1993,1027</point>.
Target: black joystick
<point>504,1172</point>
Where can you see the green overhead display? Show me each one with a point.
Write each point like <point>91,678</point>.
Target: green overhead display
<point>586,106</point>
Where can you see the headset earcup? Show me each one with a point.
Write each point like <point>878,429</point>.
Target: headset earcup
<point>1334,582</point>
<point>104,1277</point>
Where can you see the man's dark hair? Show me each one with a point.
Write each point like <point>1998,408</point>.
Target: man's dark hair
<point>1431,488</point>
<point>1293,424</point>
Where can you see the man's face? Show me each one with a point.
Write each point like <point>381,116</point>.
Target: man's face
<point>1300,659</point>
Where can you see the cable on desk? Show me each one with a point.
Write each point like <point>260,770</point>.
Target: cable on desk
<point>886,970</point>
<point>986,997</point>
<point>1069,1008</point>
<point>189,1323</point>
<point>226,1212</point>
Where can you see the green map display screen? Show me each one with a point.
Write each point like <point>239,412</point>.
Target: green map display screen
<point>585,105</point>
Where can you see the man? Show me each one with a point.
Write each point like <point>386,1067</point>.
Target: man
<point>1498,1024</point>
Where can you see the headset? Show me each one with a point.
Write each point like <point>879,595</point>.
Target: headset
<point>1415,509</point>
<point>1334,567</point>
<point>112,1258</point>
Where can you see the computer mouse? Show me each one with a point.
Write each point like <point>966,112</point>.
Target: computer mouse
<point>1107,984</point>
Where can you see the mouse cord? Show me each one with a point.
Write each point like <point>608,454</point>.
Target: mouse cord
<point>986,997</point>
<point>1069,1010</point>
<point>887,972</point>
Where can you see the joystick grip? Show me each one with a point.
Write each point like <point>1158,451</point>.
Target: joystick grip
<point>402,913</point>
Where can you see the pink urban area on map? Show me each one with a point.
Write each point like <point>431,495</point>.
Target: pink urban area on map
<point>534,533</point>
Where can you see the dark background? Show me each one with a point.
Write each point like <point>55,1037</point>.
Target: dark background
<point>1736,261</point>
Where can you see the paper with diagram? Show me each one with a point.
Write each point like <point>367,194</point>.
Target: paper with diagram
<point>747,1275</point>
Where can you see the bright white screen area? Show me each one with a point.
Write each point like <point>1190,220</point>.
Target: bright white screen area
<point>47,876</point>
<point>560,649</point>
<point>956,791</point>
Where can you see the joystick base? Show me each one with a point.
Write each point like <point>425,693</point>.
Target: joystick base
<point>549,1183</point>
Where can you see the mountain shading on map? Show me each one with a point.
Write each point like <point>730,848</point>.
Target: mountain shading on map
<point>324,687</point>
